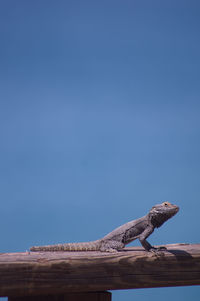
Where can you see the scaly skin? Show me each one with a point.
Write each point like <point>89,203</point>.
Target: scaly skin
<point>82,246</point>
<point>117,239</point>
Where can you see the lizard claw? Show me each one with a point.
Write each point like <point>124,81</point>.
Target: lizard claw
<point>162,248</point>
<point>153,250</point>
<point>157,250</point>
<point>111,250</point>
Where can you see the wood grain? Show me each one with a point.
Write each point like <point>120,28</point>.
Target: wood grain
<point>49,273</point>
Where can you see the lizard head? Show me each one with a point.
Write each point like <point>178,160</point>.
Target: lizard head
<point>161,213</point>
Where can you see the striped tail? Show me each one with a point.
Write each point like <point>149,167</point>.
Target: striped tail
<point>80,246</point>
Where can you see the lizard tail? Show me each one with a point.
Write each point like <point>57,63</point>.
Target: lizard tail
<point>81,246</point>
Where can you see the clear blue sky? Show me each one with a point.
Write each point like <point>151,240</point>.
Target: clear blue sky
<point>99,121</point>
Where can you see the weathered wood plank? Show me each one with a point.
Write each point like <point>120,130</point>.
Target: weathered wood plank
<point>23,274</point>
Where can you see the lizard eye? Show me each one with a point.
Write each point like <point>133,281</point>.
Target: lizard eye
<point>166,204</point>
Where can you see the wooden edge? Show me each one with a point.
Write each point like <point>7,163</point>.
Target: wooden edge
<point>35,273</point>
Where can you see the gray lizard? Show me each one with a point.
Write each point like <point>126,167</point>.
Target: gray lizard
<point>117,239</point>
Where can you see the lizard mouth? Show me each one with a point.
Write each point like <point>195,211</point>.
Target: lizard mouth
<point>176,209</point>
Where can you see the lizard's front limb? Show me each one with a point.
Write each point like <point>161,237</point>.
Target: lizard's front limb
<point>147,246</point>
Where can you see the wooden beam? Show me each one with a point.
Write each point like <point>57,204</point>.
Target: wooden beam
<point>90,296</point>
<point>40,273</point>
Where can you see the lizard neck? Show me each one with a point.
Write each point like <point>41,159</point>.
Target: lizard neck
<point>157,220</point>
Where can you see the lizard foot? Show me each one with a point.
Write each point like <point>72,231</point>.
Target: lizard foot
<point>157,250</point>
<point>111,250</point>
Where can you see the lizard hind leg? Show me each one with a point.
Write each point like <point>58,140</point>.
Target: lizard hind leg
<point>110,250</point>
<point>111,246</point>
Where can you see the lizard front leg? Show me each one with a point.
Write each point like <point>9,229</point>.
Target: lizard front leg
<point>147,246</point>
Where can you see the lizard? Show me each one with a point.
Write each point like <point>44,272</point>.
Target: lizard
<point>116,240</point>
